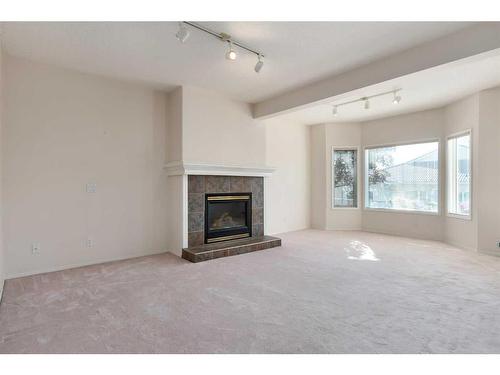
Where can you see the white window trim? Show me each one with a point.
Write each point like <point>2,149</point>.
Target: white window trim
<point>332,180</point>
<point>448,213</point>
<point>400,211</point>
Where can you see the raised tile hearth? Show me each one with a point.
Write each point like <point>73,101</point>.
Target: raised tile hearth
<point>205,252</point>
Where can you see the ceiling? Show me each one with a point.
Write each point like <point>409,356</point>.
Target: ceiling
<point>297,53</point>
<point>423,90</point>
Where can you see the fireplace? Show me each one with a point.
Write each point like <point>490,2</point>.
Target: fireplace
<point>228,216</point>
<point>201,187</point>
<point>223,208</point>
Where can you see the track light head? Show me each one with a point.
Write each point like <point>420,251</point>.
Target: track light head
<point>335,111</point>
<point>367,104</point>
<point>397,98</point>
<point>259,64</point>
<point>183,33</point>
<point>231,54</point>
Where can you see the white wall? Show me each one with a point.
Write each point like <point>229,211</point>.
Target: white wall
<point>419,126</point>
<point>219,130</point>
<point>289,189</point>
<point>2,257</point>
<point>340,136</point>
<point>488,172</point>
<point>319,167</point>
<point>176,185</point>
<point>64,129</point>
<point>176,227</point>
<point>174,125</point>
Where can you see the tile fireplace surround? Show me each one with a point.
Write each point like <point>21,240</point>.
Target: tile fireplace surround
<point>188,184</point>
<point>198,186</point>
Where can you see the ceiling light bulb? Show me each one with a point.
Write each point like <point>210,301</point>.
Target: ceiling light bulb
<point>334,111</point>
<point>183,33</point>
<point>230,54</point>
<point>397,98</point>
<point>367,104</point>
<point>259,64</point>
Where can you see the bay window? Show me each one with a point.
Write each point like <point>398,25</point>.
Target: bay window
<point>403,177</point>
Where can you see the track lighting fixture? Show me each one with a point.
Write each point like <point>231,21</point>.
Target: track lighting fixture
<point>397,98</point>
<point>230,54</point>
<point>183,34</point>
<point>259,64</point>
<point>366,100</point>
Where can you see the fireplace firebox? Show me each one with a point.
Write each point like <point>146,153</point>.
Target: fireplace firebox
<point>228,216</point>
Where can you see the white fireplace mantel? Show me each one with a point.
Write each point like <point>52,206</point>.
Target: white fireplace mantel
<point>179,168</point>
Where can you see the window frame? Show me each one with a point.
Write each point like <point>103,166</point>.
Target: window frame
<point>447,187</point>
<point>401,211</point>
<point>332,179</point>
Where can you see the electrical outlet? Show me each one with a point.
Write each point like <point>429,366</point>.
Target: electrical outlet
<point>90,242</point>
<point>35,248</point>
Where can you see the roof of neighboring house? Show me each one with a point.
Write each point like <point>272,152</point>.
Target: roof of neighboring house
<point>421,170</point>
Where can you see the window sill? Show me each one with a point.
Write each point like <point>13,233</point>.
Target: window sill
<point>459,217</point>
<point>344,208</point>
<point>388,210</point>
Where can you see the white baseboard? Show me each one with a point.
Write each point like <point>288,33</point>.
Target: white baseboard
<point>2,282</point>
<point>398,234</point>
<point>460,246</point>
<point>488,252</point>
<point>346,229</point>
<point>15,275</point>
<point>274,233</point>
<point>177,253</point>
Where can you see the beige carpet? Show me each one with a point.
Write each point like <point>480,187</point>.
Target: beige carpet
<point>322,292</point>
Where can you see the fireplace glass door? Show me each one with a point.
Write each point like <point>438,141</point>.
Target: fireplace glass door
<point>227,216</point>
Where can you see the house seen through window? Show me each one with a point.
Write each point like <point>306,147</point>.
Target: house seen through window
<point>404,177</point>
